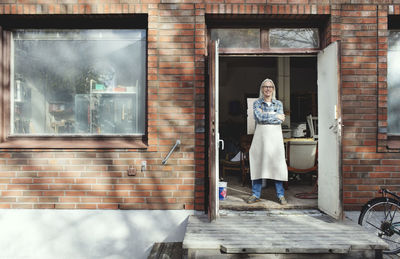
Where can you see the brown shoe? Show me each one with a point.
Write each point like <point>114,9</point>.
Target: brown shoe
<point>252,199</point>
<point>282,200</point>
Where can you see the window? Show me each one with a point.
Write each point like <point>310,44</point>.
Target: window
<point>267,39</point>
<point>237,38</point>
<point>81,83</point>
<point>393,81</point>
<point>78,82</point>
<point>294,38</point>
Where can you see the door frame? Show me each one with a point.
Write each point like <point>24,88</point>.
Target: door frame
<point>213,131</point>
<point>213,200</point>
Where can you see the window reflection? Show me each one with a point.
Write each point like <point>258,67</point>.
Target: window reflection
<point>237,38</point>
<point>294,38</point>
<point>78,82</point>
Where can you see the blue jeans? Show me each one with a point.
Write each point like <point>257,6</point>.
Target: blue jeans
<point>256,187</point>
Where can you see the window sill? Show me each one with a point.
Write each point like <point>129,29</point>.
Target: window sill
<point>74,143</point>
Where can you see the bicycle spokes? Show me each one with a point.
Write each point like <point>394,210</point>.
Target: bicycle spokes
<point>389,216</point>
<point>382,217</point>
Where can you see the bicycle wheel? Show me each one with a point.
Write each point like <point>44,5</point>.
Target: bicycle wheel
<point>381,216</point>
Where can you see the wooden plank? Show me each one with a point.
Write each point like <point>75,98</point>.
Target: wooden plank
<point>309,249</point>
<point>357,245</point>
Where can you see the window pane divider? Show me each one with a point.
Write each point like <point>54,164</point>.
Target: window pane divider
<point>267,51</point>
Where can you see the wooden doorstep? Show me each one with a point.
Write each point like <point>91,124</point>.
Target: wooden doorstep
<point>276,249</point>
<point>279,234</point>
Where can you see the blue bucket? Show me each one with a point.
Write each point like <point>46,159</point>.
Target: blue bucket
<point>222,190</point>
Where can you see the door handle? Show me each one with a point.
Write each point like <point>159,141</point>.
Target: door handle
<point>221,143</point>
<point>335,126</point>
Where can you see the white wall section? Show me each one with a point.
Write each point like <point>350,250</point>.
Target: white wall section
<point>87,233</point>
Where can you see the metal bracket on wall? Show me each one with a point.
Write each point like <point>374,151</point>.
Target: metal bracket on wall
<point>177,143</point>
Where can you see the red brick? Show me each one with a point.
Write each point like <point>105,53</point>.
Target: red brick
<point>134,200</point>
<point>86,206</point>
<point>69,199</point>
<point>44,206</point>
<point>108,206</point>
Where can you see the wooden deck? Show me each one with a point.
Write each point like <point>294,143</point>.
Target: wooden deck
<point>299,234</point>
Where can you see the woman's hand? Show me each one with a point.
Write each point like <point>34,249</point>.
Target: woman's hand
<point>281,117</point>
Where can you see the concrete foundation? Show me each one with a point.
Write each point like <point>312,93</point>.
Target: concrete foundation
<point>87,233</point>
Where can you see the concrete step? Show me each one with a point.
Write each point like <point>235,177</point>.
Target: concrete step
<point>166,250</point>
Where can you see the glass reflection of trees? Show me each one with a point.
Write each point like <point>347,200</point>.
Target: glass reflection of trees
<point>237,38</point>
<point>53,68</point>
<point>294,38</point>
<point>278,37</point>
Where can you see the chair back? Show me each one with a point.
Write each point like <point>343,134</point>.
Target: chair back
<point>312,122</point>
<point>302,154</point>
<point>251,122</point>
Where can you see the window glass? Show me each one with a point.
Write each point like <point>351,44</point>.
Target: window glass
<point>78,82</point>
<point>393,81</point>
<point>294,38</point>
<point>237,38</point>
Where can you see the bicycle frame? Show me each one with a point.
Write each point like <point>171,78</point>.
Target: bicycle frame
<point>384,193</point>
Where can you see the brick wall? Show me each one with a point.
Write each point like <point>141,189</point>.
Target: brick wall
<point>98,179</point>
<point>367,163</point>
<point>95,180</point>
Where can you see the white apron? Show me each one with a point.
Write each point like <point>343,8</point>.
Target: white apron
<point>267,153</point>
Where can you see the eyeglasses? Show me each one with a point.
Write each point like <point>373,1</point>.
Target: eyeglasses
<point>268,86</point>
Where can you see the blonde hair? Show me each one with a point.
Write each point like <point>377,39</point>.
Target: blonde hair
<point>262,85</point>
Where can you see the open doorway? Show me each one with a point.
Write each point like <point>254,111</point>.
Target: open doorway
<point>239,79</point>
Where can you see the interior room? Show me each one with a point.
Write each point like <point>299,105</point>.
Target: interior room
<point>296,82</point>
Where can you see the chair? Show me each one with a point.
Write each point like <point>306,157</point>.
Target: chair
<point>302,158</point>
<point>227,164</point>
<point>245,143</point>
<point>243,164</point>
<point>312,122</point>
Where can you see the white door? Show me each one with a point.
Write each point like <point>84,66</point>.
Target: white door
<point>213,136</point>
<point>330,198</point>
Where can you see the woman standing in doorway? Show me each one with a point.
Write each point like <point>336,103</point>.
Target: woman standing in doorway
<point>267,152</point>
